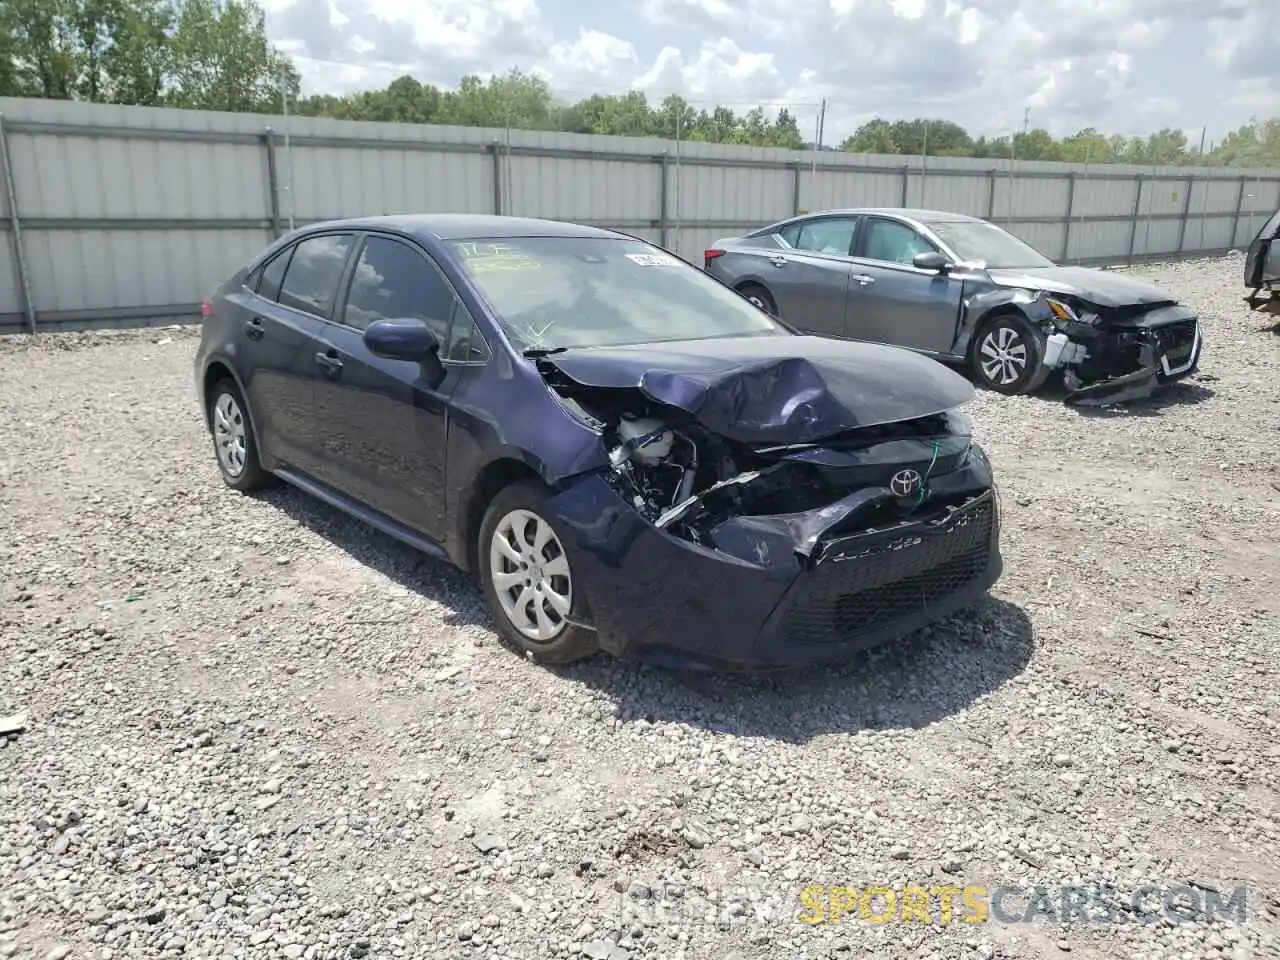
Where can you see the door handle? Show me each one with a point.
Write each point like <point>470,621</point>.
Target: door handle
<point>329,362</point>
<point>863,279</point>
<point>255,329</point>
<point>778,261</point>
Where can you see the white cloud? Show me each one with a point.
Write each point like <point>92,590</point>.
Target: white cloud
<point>1074,63</point>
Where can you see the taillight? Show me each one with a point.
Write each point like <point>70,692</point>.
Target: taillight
<point>206,309</point>
<point>709,255</point>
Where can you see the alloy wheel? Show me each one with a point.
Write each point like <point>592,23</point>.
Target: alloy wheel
<point>229,434</point>
<point>1003,355</point>
<point>531,576</point>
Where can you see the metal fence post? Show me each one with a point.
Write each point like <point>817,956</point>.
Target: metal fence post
<point>495,152</point>
<point>906,184</point>
<point>1133,222</point>
<point>991,193</point>
<point>1071,206</point>
<point>795,188</point>
<point>1235,222</point>
<point>1186,210</point>
<point>663,190</point>
<point>273,180</point>
<point>15,225</point>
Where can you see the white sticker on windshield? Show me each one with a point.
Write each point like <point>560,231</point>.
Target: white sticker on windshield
<point>653,259</point>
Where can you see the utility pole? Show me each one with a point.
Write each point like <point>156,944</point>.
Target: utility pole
<point>288,148</point>
<point>822,121</point>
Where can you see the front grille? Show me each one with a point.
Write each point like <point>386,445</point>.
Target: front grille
<point>839,598</point>
<point>1174,341</point>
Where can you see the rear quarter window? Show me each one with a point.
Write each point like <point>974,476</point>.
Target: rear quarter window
<point>267,278</point>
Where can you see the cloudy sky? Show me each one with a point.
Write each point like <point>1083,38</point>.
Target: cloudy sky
<point>1125,66</point>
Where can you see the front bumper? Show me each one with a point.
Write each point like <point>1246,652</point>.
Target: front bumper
<point>755,603</point>
<point>1129,363</point>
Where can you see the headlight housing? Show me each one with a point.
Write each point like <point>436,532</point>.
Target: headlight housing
<point>1065,312</point>
<point>959,423</point>
<point>1062,310</point>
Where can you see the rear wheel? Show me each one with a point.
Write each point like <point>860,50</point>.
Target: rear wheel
<point>233,441</point>
<point>528,578</point>
<point>1006,355</point>
<point>761,297</point>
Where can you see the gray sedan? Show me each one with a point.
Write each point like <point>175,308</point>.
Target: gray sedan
<point>962,290</point>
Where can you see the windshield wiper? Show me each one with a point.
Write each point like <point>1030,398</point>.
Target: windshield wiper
<point>533,353</point>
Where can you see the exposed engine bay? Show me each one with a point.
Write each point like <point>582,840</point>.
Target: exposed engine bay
<point>685,479</point>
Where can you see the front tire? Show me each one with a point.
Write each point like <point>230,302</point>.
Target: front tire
<point>528,579</point>
<point>234,445</point>
<point>1006,356</point>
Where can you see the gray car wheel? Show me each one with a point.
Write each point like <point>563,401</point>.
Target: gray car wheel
<point>1006,355</point>
<point>758,295</point>
<point>527,574</point>
<point>234,444</point>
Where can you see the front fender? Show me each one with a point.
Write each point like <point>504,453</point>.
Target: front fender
<point>1032,305</point>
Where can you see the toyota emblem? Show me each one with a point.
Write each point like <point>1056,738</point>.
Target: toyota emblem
<point>905,483</point>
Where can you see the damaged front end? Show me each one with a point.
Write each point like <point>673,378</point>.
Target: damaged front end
<point>1116,354</point>
<point>733,551</point>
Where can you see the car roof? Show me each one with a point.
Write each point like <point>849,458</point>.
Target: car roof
<point>467,226</point>
<point>907,213</point>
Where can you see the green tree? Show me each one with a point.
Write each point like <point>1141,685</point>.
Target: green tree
<point>1036,145</point>
<point>221,59</point>
<point>786,131</point>
<point>45,59</point>
<point>874,136</point>
<point>1086,146</point>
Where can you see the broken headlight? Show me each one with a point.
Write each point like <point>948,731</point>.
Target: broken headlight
<point>1066,313</point>
<point>958,439</point>
<point>958,422</point>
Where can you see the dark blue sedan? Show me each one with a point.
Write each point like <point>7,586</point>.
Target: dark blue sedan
<point>631,455</point>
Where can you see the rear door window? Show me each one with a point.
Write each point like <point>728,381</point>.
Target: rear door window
<point>314,273</point>
<point>830,235</point>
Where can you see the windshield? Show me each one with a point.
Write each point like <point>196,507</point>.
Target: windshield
<point>551,292</point>
<point>976,240</point>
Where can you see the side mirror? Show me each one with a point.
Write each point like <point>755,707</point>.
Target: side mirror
<point>932,260</point>
<point>408,339</point>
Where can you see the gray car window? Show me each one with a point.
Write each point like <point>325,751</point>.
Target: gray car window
<point>465,345</point>
<point>311,281</point>
<point>392,281</point>
<point>894,242</point>
<point>270,276</point>
<point>829,235</point>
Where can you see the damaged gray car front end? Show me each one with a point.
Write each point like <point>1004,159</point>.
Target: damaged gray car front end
<point>1105,352</point>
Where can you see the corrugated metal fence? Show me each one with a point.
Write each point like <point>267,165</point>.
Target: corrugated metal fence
<point>127,216</point>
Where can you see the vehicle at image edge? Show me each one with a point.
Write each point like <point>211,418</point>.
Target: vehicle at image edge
<point>1262,269</point>
<point>630,455</point>
<point>964,291</point>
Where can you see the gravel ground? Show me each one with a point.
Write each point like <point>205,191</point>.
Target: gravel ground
<point>257,729</point>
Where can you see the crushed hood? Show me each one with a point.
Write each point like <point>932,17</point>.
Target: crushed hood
<point>1101,287</point>
<point>785,389</point>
